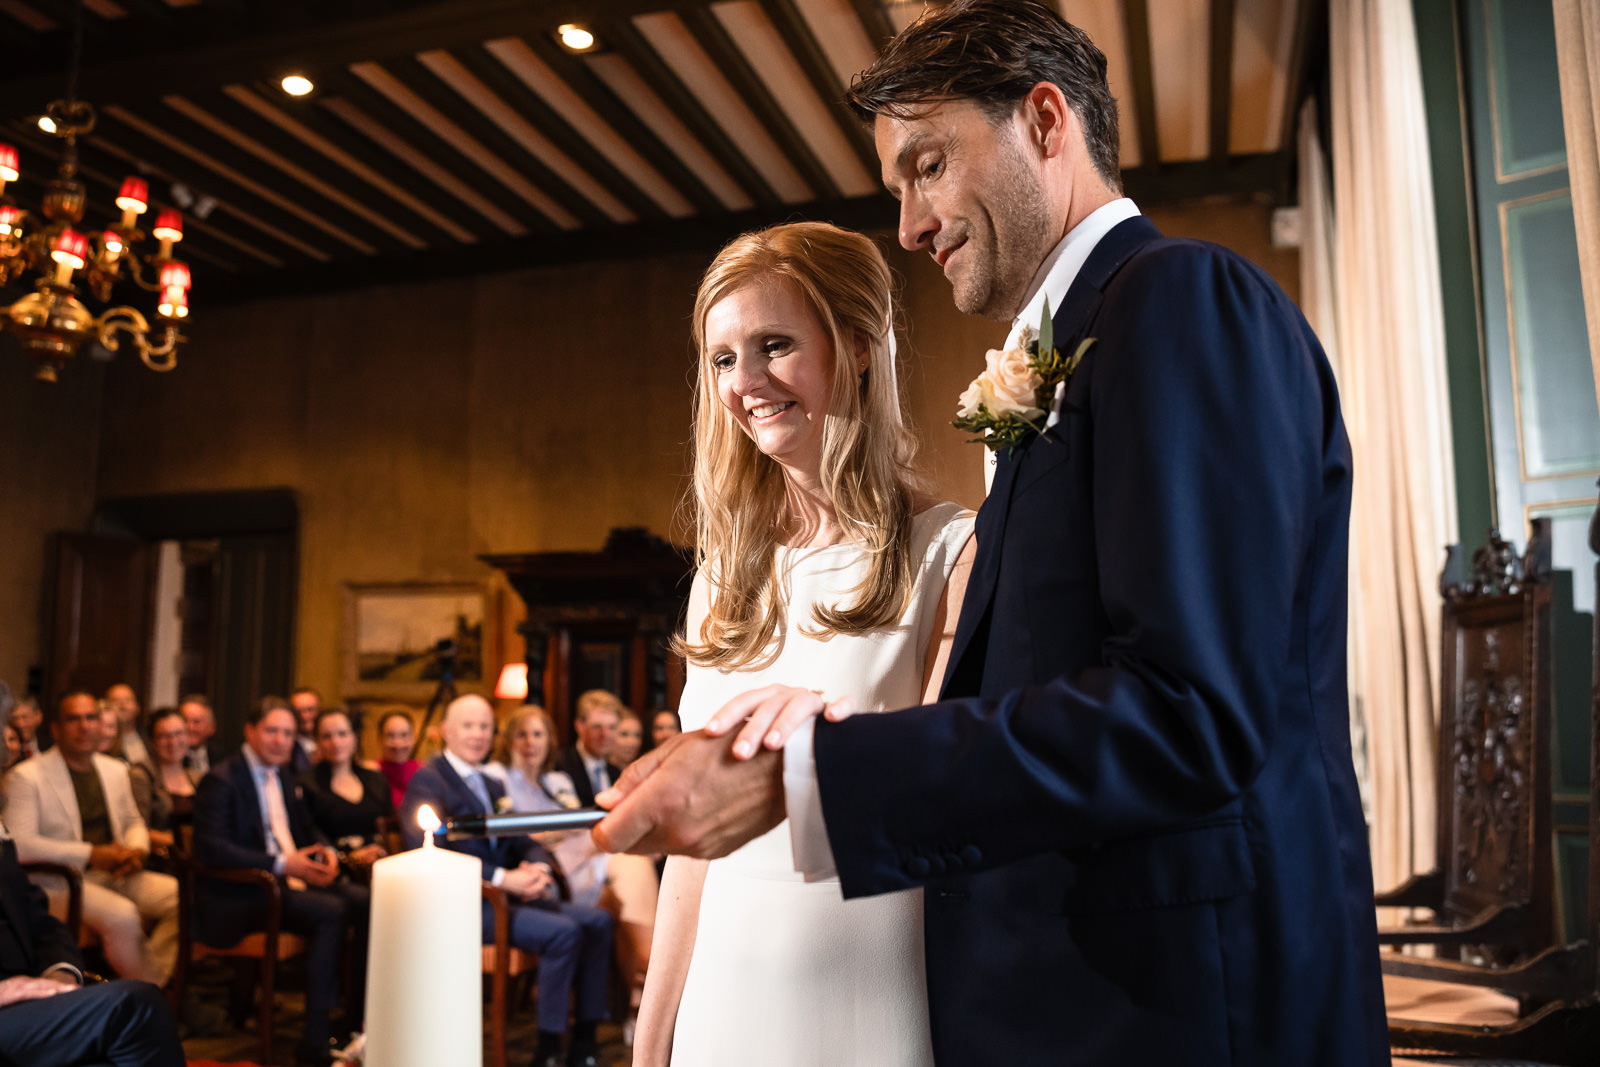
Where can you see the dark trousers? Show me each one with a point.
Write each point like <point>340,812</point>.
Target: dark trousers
<point>322,916</point>
<point>572,944</point>
<point>125,1024</point>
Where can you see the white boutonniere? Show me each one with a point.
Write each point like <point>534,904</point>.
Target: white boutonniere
<point>502,805</point>
<point>1008,402</point>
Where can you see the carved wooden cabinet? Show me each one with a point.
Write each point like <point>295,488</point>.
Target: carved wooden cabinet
<point>602,620</point>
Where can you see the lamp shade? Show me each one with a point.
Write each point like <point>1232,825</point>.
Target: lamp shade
<point>70,248</point>
<point>169,226</point>
<point>112,241</point>
<point>134,195</point>
<point>8,163</point>
<point>174,303</point>
<point>175,275</point>
<point>513,683</point>
<point>9,218</point>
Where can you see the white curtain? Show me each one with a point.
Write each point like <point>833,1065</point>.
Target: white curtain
<point>1379,305</point>
<point>1578,57</point>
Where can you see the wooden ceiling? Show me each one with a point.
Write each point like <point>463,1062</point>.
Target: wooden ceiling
<point>453,136</point>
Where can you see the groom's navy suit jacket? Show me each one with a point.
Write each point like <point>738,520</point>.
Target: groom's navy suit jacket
<point>1134,809</point>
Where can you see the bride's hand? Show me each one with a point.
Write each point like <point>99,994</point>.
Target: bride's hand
<point>771,714</point>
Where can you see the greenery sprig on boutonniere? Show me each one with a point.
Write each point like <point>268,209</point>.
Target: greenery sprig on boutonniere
<point>1009,401</point>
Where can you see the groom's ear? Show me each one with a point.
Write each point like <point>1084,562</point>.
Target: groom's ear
<point>1048,120</point>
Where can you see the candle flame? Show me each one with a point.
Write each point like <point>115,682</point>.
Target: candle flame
<point>427,820</point>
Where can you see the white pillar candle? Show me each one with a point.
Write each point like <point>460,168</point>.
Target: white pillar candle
<point>424,978</point>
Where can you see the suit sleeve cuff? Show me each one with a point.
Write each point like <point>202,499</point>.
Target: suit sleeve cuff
<point>69,968</point>
<point>279,863</point>
<point>808,835</point>
<point>498,877</point>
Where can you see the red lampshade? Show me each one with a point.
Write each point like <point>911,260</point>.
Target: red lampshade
<point>112,241</point>
<point>169,226</point>
<point>9,217</point>
<point>513,683</point>
<point>8,163</point>
<point>175,275</point>
<point>174,303</point>
<point>70,248</point>
<point>135,196</point>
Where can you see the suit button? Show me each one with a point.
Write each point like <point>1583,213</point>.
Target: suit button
<point>917,867</point>
<point>971,856</point>
<point>936,864</point>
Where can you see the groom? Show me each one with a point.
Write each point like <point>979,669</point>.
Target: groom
<point>1133,808</point>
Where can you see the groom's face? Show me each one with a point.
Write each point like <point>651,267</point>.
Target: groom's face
<point>971,196</point>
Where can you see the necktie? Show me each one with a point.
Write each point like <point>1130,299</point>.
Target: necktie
<point>481,791</point>
<point>278,816</point>
<point>599,776</point>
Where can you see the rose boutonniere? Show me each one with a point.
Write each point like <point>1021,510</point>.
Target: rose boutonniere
<point>502,805</point>
<point>1008,402</point>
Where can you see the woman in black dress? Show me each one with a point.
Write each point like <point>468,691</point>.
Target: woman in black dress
<point>345,798</point>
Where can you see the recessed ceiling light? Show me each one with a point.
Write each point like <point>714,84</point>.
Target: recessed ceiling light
<point>575,38</point>
<point>297,84</point>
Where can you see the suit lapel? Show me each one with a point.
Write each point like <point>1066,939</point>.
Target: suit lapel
<point>1076,312</point>
<point>61,782</point>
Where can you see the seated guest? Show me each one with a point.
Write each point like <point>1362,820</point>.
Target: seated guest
<point>345,799</point>
<point>630,739</point>
<point>48,1017</point>
<point>129,743</point>
<point>588,761</point>
<point>108,730</point>
<point>204,748</point>
<point>307,705</point>
<point>164,789</point>
<point>573,941</point>
<point>627,886</point>
<point>397,765</point>
<point>29,721</point>
<point>73,805</point>
<point>245,815</point>
<point>664,726</point>
<point>299,759</point>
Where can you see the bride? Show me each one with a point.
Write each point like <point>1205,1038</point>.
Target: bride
<point>821,558</point>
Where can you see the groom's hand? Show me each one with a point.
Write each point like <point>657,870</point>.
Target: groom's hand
<point>691,797</point>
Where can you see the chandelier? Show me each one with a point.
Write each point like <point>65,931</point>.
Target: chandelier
<point>50,322</point>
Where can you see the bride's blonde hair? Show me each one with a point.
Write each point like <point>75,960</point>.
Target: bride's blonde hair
<point>868,476</point>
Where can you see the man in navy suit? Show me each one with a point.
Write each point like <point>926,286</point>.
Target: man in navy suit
<point>1133,808</point>
<point>48,1017</point>
<point>573,941</point>
<point>247,815</point>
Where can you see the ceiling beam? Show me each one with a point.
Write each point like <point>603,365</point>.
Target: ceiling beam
<point>1221,77</point>
<point>1241,176</point>
<point>207,45</point>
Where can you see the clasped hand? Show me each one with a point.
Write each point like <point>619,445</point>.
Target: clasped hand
<point>528,880</point>
<point>315,864</point>
<point>704,794</point>
<point>119,860</point>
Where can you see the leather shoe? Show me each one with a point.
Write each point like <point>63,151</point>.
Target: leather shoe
<point>582,1056</point>
<point>552,1060</point>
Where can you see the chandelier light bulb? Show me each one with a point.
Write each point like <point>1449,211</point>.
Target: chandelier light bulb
<point>9,218</point>
<point>297,84</point>
<point>112,242</point>
<point>47,124</point>
<point>174,303</point>
<point>574,37</point>
<point>8,165</point>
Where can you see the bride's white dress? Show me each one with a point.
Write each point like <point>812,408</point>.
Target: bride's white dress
<point>787,973</point>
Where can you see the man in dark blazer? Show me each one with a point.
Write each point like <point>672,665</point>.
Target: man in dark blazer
<point>249,813</point>
<point>587,761</point>
<point>48,1017</point>
<point>573,941</point>
<point>1133,809</point>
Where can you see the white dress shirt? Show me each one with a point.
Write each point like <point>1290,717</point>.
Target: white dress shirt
<point>258,774</point>
<point>808,834</point>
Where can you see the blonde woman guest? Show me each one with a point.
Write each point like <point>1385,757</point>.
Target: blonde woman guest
<point>630,738</point>
<point>821,557</point>
<point>524,759</point>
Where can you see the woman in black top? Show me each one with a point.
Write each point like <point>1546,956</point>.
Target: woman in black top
<point>346,799</point>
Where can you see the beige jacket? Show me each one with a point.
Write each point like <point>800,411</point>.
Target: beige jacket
<point>42,810</point>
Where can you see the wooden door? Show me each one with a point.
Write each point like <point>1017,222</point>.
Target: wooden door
<point>99,622</point>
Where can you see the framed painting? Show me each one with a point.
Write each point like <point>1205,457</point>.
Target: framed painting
<point>400,639</point>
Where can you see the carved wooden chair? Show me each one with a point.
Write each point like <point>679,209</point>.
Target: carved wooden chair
<point>1492,891</point>
<point>1558,988</point>
<point>503,962</point>
<point>269,947</point>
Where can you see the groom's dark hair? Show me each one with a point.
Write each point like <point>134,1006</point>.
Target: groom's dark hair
<point>992,52</point>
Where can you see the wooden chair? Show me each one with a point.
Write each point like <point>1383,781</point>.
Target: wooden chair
<point>269,947</point>
<point>74,881</point>
<point>503,962</point>
<point>1492,890</point>
<point>1557,987</point>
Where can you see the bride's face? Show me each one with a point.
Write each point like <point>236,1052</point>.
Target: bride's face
<point>773,361</point>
